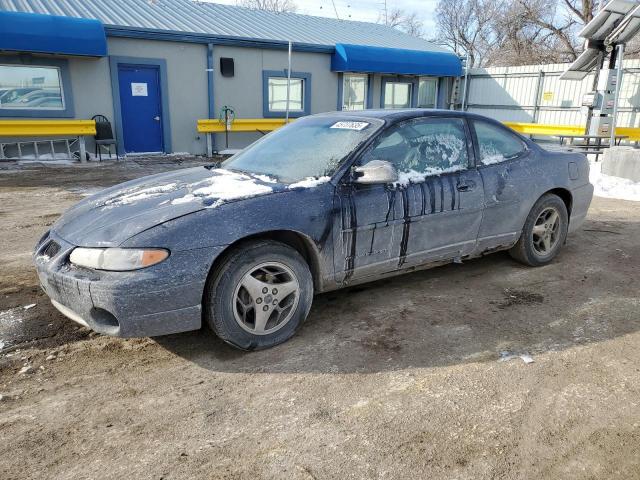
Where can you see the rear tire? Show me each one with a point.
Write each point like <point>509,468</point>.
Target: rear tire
<point>544,232</point>
<point>259,296</point>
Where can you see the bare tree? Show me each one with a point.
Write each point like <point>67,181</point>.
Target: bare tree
<point>584,10</point>
<point>513,32</point>
<point>278,6</point>
<point>467,27</point>
<point>409,23</point>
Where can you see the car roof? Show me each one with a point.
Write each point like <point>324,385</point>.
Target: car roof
<point>392,116</point>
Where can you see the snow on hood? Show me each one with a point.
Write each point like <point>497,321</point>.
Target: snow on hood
<point>224,186</point>
<point>111,216</point>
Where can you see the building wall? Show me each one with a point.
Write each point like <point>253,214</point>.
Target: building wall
<point>187,84</point>
<point>91,87</point>
<point>243,91</point>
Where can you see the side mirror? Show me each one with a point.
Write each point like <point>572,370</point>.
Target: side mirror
<point>375,171</point>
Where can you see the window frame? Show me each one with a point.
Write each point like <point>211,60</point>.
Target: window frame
<point>436,80</point>
<point>471,153</point>
<point>65,87</point>
<point>367,82</point>
<point>412,82</point>
<point>306,94</point>
<point>476,144</point>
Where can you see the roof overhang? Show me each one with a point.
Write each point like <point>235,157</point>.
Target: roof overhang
<point>35,33</point>
<point>360,58</point>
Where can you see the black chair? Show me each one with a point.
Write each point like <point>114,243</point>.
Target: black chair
<point>104,135</point>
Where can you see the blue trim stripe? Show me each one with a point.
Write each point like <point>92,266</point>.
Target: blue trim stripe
<point>360,58</point>
<point>32,32</point>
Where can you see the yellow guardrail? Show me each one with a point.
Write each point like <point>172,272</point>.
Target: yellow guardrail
<point>633,134</point>
<point>44,128</point>
<point>542,129</point>
<point>241,125</point>
<point>269,124</point>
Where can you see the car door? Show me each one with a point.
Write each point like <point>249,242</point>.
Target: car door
<point>503,163</point>
<point>444,191</point>
<point>432,212</point>
<point>369,217</point>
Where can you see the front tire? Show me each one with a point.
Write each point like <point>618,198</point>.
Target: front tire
<point>544,232</point>
<point>259,296</point>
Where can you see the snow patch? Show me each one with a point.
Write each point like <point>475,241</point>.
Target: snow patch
<point>265,178</point>
<point>309,182</point>
<point>491,159</point>
<point>135,195</point>
<point>613,187</point>
<point>223,187</point>
<point>412,176</point>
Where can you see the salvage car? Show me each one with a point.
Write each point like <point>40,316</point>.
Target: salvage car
<point>325,202</point>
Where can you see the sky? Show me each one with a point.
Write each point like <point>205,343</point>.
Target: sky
<point>362,10</point>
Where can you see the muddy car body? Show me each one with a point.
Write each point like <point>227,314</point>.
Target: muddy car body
<point>245,245</point>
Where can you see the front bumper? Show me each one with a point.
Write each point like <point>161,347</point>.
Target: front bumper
<point>162,299</point>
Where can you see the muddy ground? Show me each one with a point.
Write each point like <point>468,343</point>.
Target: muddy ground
<point>395,379</point>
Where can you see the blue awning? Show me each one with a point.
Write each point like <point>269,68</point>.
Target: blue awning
<point>31,32</point>
<point>360,58</point>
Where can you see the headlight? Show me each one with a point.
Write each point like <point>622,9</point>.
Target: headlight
<point>117,259</point>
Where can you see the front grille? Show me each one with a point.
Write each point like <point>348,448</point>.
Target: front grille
<point>52,249</point>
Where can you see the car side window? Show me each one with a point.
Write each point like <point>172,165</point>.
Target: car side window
<point>425,146</point>
<point>496,144</point>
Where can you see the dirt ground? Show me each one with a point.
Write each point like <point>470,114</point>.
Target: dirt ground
<point>395,379</point>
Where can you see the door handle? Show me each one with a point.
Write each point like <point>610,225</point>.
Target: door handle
<point>466,186</point>
<point>156,118</point>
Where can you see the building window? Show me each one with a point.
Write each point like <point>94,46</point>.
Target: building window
<point>428,92</point>
<point>278,95</point>
<point>32,88</point>
<point>354,92</point>
<point>275,94</point>
<point>397,94</point>
<point>37,88</point>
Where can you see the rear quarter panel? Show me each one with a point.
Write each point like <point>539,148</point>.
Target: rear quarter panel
<point>513,187</point>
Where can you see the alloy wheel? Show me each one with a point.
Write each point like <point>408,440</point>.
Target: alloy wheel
<point>266,298</point>
<point>546,231</point>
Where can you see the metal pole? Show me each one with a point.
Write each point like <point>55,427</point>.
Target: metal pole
<point>612,139</point>
<point>538,96</point>
<point>286,117</point>
<point>466,83</point>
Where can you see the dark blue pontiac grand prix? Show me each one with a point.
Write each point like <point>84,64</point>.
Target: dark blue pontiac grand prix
<point>328,201</point>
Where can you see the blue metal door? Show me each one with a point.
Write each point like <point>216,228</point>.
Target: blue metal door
<point>141,108</point>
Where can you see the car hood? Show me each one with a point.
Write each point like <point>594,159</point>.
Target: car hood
<point>116,214</point>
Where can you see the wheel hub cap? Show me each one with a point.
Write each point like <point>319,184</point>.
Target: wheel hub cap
<point>266,298</point>
<point>546,231</point>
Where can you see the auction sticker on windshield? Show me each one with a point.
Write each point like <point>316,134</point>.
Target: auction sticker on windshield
<point>350,125</point>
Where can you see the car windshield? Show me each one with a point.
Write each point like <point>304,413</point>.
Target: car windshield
<point>308,147</point>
